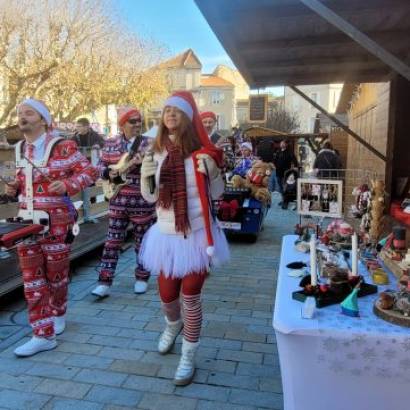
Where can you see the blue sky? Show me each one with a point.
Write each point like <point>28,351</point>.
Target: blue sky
<point>178,25</point>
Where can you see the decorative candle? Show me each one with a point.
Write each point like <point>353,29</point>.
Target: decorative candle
<point>354,254</point>
<point>313,271</point>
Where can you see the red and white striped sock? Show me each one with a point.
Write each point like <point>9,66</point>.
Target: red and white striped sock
<point>172,310</point>
<point>192,317</point>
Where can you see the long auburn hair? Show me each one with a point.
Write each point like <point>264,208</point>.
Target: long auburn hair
<point>186,137</point>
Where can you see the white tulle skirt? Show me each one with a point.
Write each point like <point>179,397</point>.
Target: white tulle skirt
<point>176,257</point>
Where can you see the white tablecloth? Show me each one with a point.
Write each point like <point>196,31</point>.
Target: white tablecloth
<point>336,362</point>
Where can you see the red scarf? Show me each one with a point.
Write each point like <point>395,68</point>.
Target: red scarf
<point>172,187</point>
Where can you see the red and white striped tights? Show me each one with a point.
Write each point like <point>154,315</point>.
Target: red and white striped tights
<point>190,287</point>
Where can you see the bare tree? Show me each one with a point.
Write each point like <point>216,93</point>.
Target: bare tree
<point>73,55</point>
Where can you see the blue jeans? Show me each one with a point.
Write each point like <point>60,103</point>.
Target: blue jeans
<point>85,197</point>
<point>273,182</point>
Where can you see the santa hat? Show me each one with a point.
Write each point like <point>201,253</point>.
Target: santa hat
<point>184,101</point>
<point>38,106</point>
<point>126,115</point>
<point>208,114</point>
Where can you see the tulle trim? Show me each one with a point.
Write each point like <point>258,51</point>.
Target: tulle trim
<point>175,256</point>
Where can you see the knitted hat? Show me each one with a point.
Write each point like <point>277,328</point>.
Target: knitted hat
<point>184,101</point>
<point>126,115</point>
<point>247,145</point>
<point>38,106</point>
<point>208,114</point>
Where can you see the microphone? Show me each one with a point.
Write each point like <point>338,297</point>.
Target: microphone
<point>151,179</point>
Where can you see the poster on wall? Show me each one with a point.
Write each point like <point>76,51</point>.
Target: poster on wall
<point>258,108</point>
<point>320,197</point>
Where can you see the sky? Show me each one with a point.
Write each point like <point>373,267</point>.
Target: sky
<point>178,25</point>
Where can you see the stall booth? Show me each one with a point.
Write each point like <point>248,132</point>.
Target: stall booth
<point>342,342</point>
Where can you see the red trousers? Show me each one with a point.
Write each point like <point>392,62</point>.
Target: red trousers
<point>190,288</point>
<point>45,266</point>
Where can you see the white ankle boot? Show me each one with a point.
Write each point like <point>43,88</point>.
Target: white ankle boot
<point>140,287</point>
<point>168,336</point>
<point>59,324</point>
<point>35,345</point>
<point>102,291</point>
<point>186,368</point>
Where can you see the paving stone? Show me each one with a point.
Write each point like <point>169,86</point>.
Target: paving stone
<point>111,341</point>
<point>261,399</point>
<point>151,384</point>
<point>240,356</point>
<point>21,382</point>
<point>12,399</point>
<point>155,357</point>
<point>74,336</point>
<point>216,365</point>
<point>71,347</point>
<point>14,366</point>
<point>213,405</point>
<point>245,336</point>
<point>104,377</point>
<point>96,330</point>
<point>258,347</point>
<point>156,401</point>
<point>94,362</point>
<point>229,380</point>
<point>63,388</point>
<point>53,370</point>
<point>114,395</point>
<point>272,384</point>
<point>67,404</point>
<point>221,343</point>
<point>52,356</point>
<point>146,345</point>
<point>117,353</point>
<point>139,334</point>
<point>257,370</point>
<point>135,367</point>
<point>203,391</point>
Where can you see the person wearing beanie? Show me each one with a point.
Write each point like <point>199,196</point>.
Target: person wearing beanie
<point>44,198</point>
<point>185,242</point>
<point>244,163</point>
<point>127,206</point>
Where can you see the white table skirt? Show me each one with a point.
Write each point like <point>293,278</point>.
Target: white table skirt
<point>336,362</point>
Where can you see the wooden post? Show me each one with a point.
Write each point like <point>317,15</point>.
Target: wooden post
<point>366,42</point>
<point>339,123</point>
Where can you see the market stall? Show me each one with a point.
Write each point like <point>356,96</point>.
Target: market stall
<point>334,361</point>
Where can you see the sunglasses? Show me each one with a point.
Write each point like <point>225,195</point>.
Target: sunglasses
<point>134,121</point>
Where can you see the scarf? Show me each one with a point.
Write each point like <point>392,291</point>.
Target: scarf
<point>172,187</point>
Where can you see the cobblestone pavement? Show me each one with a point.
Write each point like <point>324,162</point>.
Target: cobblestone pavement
<point>107,359</point>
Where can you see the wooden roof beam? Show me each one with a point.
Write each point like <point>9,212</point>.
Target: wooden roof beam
<point>366,42</point>
<point>389,36</point>
<point>322,62</point>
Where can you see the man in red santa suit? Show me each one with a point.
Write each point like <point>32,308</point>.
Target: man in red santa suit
<point>49,170</point>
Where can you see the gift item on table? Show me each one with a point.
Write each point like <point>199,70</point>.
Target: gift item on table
<point>399,238</point>
<point>350,306</point>
<point>362,204</point>
<point>354,254</point>
<point>309,308</point>
<point>313,260</point>
<point>376,209</point>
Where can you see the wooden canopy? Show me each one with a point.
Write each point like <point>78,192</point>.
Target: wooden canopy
<point>263,132</point>
<point>293,42</point>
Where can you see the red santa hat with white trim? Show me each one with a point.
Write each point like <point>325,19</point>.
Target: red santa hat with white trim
<point>184,101</point>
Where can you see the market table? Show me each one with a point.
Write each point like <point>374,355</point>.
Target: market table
<point>335,361</point>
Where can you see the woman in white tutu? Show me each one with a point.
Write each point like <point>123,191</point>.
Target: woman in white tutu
<point>185,241</point>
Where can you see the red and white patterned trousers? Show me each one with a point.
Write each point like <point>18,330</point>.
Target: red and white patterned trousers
<point>45,266</point>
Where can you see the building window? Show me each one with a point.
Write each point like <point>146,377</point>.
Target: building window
<point>217,97</point>
<point>220,122</point>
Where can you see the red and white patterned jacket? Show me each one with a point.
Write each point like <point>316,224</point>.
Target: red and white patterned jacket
<point>62,162</point>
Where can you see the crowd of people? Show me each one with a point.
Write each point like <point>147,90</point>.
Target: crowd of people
<point>163,190</point>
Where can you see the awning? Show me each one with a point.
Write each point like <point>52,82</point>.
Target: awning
<point>285,42</point>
